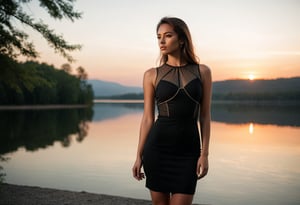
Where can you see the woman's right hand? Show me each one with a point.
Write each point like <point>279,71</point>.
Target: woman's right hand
<point>136,169</point>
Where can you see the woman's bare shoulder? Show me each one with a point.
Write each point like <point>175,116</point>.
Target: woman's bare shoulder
<point>204,70</point>
<point>150,75</point>
<point>150,71</point>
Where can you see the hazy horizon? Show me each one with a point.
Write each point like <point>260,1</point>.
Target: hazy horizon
<point>246,79</point>
<point>236,38</point>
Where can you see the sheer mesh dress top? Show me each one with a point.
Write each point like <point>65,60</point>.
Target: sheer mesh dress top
<point>172,147</point>
<point>178,91</point>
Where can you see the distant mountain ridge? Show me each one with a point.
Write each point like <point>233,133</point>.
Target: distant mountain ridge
<point>107,88</point>
<point>275,89</point>
<point>257,86</point>
<point>281,89</point>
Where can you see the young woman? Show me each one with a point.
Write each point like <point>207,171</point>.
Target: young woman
<point>171,150</point>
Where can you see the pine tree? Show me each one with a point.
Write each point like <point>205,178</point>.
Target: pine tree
<point>15,42</point>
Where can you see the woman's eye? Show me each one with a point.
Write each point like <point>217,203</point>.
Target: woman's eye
<point>168,36</point>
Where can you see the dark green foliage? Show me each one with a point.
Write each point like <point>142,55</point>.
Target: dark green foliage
<point>14,42</point>
<point>24,86</point>
<point>35,83</point>
<point>259,96</point>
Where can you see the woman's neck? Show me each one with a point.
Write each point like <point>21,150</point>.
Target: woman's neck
<point>175,61</point>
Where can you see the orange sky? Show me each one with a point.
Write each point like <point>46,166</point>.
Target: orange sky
<point>235,38</point>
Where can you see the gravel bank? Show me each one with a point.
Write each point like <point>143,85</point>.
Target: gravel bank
<point>25,195</point>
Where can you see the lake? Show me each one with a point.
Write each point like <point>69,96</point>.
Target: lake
<point>254,151</point>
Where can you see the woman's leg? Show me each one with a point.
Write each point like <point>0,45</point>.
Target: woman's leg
<point>159,198</point>
<point>181,199</point>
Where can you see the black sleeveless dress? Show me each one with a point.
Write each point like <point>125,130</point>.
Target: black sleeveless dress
<point>172,147</point>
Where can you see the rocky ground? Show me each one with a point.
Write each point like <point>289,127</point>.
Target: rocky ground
<point>25,195</point>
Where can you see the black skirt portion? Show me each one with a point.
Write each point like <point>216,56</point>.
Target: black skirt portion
<point>170,156</point>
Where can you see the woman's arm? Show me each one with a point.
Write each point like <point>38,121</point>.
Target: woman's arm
<point>204,119</point>
<point>147,120</point>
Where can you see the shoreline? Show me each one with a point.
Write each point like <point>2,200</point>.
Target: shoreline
<point>29,195</point>
<point>11,194</point>
<point>41,107</point>
<point>141,101</point>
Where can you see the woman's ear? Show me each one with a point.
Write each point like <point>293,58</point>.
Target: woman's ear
<point>181,43</point>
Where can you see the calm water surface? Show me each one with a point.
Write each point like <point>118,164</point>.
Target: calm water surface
<point>254,153</point>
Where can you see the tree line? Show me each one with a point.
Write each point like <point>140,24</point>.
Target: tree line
<point>259,96</point>
<point>24,83</point>
<point>32,82</point>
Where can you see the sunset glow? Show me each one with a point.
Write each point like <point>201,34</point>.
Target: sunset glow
<point>251,77</point>
<point>119,40</point>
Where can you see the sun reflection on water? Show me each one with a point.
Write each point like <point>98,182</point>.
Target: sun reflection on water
<point>251,128</point>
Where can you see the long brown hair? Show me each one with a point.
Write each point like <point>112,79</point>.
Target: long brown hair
<point>184,35</point>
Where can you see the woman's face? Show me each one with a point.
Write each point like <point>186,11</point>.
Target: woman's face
<point>168,41</point>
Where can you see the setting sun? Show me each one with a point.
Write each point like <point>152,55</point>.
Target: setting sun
<point>251,77</point>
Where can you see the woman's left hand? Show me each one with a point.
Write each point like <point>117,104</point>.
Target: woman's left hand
<point>202,166</point>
